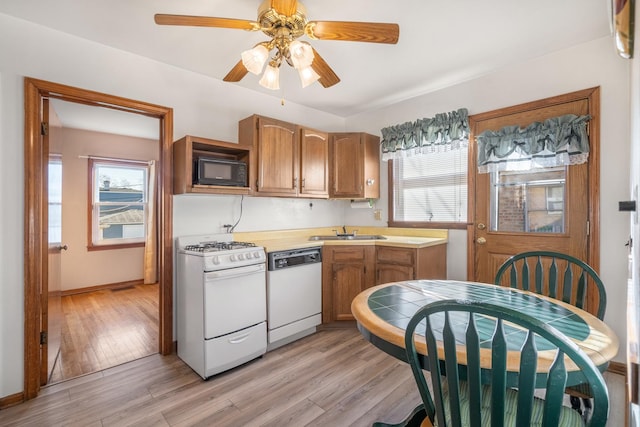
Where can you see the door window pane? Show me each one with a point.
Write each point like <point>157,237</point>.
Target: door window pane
<point>530,202</point>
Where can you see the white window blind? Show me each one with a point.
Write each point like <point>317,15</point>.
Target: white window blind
<point>431,187</point>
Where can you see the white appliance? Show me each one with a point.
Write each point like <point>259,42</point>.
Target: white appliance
<point>221,302</point>
<point>294,295</point>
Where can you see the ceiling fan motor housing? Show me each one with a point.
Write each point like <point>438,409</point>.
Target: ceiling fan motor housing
<point>276,25</point>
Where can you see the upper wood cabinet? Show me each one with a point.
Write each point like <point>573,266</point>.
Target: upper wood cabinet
<point>355,166</point>
<point>314,163</point>
<point>188,148</point>
<point>290,161</point>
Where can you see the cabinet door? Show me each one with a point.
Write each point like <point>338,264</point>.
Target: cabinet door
<point>347,166</point>
<point>348,281</point>
<point>314,163</point>
<point>346,271</point>
<point>277,157</point>
<point>386,273</point>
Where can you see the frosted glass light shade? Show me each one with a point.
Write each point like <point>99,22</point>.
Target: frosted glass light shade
<point>307,76</point>
<point>301,54</point>
<point>271,78</point>
<point>254,59</point>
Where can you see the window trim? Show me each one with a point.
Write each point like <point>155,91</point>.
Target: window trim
<point>90,176</point>
<point>427,224</point>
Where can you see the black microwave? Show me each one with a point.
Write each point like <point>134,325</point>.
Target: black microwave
<point>216,171</point>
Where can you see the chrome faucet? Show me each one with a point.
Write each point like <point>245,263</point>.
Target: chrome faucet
<point>344,229</point>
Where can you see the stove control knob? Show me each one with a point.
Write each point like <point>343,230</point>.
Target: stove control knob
<point>232,257</point>
<point>215,260</point>
<point>240,256</point>
<point>256,254</point>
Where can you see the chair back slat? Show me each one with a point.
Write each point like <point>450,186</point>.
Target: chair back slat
<point>473,373</point>
<point>527,380</point>
<point>498,375</point>
<point>437,405</point>
<point>524,276</point>
<point>582,289</point>
<point>567,285</point>
<point>556,383</point>
<point>481,329</point>
<point>558,276</point>
<point>451,367</point>
<point>539,276</point>
<point>553,278</point>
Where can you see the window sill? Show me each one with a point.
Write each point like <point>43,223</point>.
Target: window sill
<point>91,248</point>
<point>435,225</point>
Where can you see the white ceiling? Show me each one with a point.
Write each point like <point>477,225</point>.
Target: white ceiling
<point>441,42</point>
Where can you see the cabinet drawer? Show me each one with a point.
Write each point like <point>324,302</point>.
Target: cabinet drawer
<point>395,255</point>
<point>348,254</point>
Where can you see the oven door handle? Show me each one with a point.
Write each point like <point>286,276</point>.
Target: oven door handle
<point>233,272</point>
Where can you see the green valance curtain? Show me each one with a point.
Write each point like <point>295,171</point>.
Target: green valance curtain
<point>557,141</point>
<point>445,131</point>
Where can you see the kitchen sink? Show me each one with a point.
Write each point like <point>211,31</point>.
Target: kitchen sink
<point>349,237</point>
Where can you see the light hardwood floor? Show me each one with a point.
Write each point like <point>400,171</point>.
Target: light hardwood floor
<point>332,378</point>
<point>105,328</point>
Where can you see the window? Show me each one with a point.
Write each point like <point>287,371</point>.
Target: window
<point>118,203</point>
<point>54,182</point>
<point>430,188</point>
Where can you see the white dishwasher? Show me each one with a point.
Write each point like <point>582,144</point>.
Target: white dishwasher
<point>294,295</point>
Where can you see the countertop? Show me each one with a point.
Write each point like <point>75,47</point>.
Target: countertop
<point>280,240</point>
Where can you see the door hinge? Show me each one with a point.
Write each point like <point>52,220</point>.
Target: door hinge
<point>44,128</point>
<point>43,337</point>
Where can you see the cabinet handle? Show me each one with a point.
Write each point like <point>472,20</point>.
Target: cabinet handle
<point>295,182</point>
<point>303,182</point>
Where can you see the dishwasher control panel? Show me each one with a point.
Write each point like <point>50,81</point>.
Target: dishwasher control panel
<point>294,257</point>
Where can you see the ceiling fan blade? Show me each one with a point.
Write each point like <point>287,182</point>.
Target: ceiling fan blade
<point>285,7</point>
<point>237,73</point>
<point>372,32</point>
<point>327,77</point>
<point>206,21</point>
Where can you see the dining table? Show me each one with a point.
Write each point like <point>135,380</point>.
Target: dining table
<point>382,313</point>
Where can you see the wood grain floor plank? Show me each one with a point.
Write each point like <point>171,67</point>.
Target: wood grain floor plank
<point>105,328</point>
<point>331,378</point>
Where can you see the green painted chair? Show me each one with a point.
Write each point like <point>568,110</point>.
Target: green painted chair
<point>562,277</point>
<point>486,397</point>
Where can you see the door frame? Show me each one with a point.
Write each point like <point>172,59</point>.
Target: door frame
<point>592,95</point>
<point>35,244</point>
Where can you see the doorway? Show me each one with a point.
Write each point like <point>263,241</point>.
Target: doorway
<point>552,208</point>
<point>36,239</point>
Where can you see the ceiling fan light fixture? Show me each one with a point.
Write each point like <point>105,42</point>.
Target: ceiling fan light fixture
<point>271,78</point>
<point>301,54</point>
<point>307,76</point>
<point>254,59</point>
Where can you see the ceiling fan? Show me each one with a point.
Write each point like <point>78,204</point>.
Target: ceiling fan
<point>285,21</point>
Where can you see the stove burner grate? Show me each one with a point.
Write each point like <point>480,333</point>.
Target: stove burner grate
<point>218,246</point>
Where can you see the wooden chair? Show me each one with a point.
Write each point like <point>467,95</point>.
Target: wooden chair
<point>562,277</point>
<point>486,397</point>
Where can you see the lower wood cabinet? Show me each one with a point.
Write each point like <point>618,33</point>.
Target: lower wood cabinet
<point>346,271</point>
<point>394,264</point>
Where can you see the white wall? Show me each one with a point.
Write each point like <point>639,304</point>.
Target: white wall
<point>581,67</point>
<point>82,268</point>
<point>209,108</point>
<point>202,107</point>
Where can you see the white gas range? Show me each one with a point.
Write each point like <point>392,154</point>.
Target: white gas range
<point>221,302</point>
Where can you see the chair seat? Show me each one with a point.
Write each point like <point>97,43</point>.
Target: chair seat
<point>581,390</point>
<point>568,417</point>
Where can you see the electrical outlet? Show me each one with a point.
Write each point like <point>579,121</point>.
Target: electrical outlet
<point>377,215</point>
